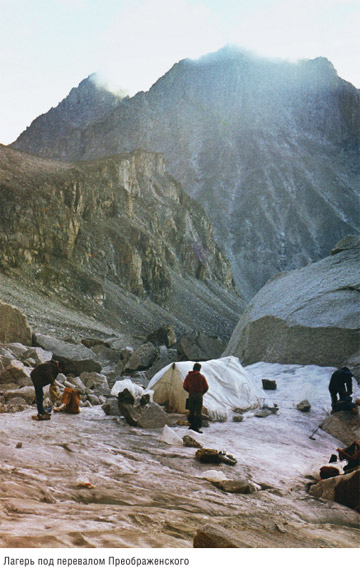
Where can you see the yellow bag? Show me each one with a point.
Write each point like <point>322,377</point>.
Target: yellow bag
<point>54,393</point>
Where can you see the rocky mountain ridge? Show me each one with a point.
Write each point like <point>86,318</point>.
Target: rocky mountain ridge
<point>270,149</point>
<point>104,236</point>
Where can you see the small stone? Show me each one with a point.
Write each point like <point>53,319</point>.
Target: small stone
<point>269,384</point>
<point>303,406</point>
<point>240,486</point>
<point>19,445</point>
<point>263,413</point>
<point>190,442</point>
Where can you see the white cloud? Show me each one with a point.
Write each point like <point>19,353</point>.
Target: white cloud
<point>147,38</point>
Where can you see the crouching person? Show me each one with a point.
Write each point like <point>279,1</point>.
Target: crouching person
<point>42,375</point>
<point>196,385</point>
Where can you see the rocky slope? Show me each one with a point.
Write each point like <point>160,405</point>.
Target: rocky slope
<point>116,240</point>
<point>270,149</point>
<point>308,316</point>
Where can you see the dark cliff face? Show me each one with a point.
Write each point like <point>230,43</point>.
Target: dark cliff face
<point>76,229</point>
<point>270,149</point>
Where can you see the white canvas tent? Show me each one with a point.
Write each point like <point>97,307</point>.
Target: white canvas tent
<point>230,385</point>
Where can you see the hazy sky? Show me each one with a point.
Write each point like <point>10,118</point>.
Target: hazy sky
<point>49,46</point>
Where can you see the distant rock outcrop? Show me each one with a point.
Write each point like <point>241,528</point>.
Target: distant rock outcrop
<point>269,148</point>
<point>102,236</point>
<point>306,316</point>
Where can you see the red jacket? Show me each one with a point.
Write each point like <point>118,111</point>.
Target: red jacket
<point>195,382</point>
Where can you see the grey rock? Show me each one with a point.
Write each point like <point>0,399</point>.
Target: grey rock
<point>306,316</point>
<point>95,381</point>
<point>240,486</point>
<point>200,347</point>
<point>18,350</point>
<point>16,401</point>
<point>77,383</point>
<point>77,358</point>
<point>264,412</point>
<point>94,399</point>
<point>13,371</point>
<point>92,342</point>
<point>142,358</point>
<point>110,407</point>
<point>343,425</point>
<point>151,416</point>
<point>353,363</point>
<point>27,394</point>
<point>13,407</point>
<point>14,326</point>
<point>163,336</point>
<point>304,406</point>
<point>38,355</point>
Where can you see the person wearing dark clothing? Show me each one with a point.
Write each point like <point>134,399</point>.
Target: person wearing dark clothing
<point>42,375</point>
<point>196,385</point>
<point>340,385</point>
<point>352,455</point>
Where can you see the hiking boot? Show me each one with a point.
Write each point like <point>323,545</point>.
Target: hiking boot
<point>198,430</point>
<point>44,416</point>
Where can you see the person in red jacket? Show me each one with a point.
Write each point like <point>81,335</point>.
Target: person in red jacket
<point>196,385</point>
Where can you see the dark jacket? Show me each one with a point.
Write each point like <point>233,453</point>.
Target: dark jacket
<point>341,381</point>
<point>44,373</point>
<point>195,382</point>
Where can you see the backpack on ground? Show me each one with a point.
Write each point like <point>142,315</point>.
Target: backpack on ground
<point>71,398</point>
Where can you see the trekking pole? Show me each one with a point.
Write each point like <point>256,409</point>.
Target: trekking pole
<point>312,434</point>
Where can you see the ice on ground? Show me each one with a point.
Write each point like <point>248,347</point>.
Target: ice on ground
<point>278,448</point>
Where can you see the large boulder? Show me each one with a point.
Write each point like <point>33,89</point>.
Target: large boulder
<point>14,326</point>
<point>76,357</point>
<point>343,425</point>
<point>37,355</point>
<point>149,416</point>
<point>306,316</point>
<point>200,347</point>
<point>27,393</point>
<point>142,358</point>
<point>95,381</point>
<point>14,371</point>
<point>163,336</point>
